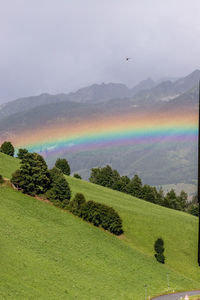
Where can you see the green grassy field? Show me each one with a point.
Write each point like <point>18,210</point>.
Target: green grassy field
<point>47,253</point>
<point>8,165</point>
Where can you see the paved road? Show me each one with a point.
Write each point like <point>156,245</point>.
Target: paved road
<point>176,296</point>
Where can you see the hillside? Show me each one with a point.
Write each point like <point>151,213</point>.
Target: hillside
<point>8,165</point>
<point>60,256</point>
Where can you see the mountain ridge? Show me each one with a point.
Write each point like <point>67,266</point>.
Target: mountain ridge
<point>144,92</point>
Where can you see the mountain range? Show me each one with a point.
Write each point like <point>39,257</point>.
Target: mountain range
<point>100,101</point>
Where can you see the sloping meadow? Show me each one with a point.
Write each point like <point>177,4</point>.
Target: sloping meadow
<point>48,253</point>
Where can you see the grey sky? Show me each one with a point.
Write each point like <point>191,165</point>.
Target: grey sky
<point>61,45</point>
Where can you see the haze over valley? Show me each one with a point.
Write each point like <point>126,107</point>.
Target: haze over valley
<point>28,122</point>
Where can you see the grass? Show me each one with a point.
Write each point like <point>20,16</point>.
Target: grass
<point>47,253</point>
<point>196,297</point>
<point>8,165</point>
<point>144,222</point>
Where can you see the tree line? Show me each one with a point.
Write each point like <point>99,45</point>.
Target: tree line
<point>110,178</point>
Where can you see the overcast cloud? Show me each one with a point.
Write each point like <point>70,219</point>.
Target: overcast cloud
<point>61,45</point>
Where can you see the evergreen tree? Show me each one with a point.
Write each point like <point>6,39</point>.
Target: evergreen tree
<point>62,164</point>
<point>149,193</point>
<point>121,183</point>
<point>59,191</point>
<point>170,200</point>
<point>182,200</point>
<point>21,153</point>
<point>160,196</point>
<point>124,182</point>
<point>95,175</point>
<point>134,187</point>
<point>33,177</point>
<point>7,148</point>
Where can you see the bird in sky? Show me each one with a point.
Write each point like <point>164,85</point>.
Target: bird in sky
<point>128,58</point>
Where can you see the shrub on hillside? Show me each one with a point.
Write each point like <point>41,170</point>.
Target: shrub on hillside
<point>77,203</point>
<point>7,148</point>
<point>59,188</point>
<point>159,248</point>
<point>149,193</point>
<point>62,164</point>
<point>134,187</point>
<point>1,179</point>
<point>76,175</point>
<point>102,215</point>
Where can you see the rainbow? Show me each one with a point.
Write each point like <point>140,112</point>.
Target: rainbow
<point>99,132</point>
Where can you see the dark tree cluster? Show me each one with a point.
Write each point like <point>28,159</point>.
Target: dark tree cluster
<point>96,213</point>
<point>110,178</point>
<point>34,178</point>
<point>7,148</point>
<point>193,206</point>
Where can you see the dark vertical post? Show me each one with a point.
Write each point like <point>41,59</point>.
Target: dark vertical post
<point>198,189</point>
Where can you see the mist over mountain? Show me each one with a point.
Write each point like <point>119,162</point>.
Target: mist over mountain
<point>167,90</point>
<point>179,164</point>
<point>146,84</point>
<point>146,92</point>
<point>93,94</point>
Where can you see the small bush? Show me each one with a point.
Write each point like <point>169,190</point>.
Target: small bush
<point>75,206</point>
<point>160,258</point>
<point>76,175</point>
<point>1,179</point>
<point>159,248</point>
<point>102,215</point>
